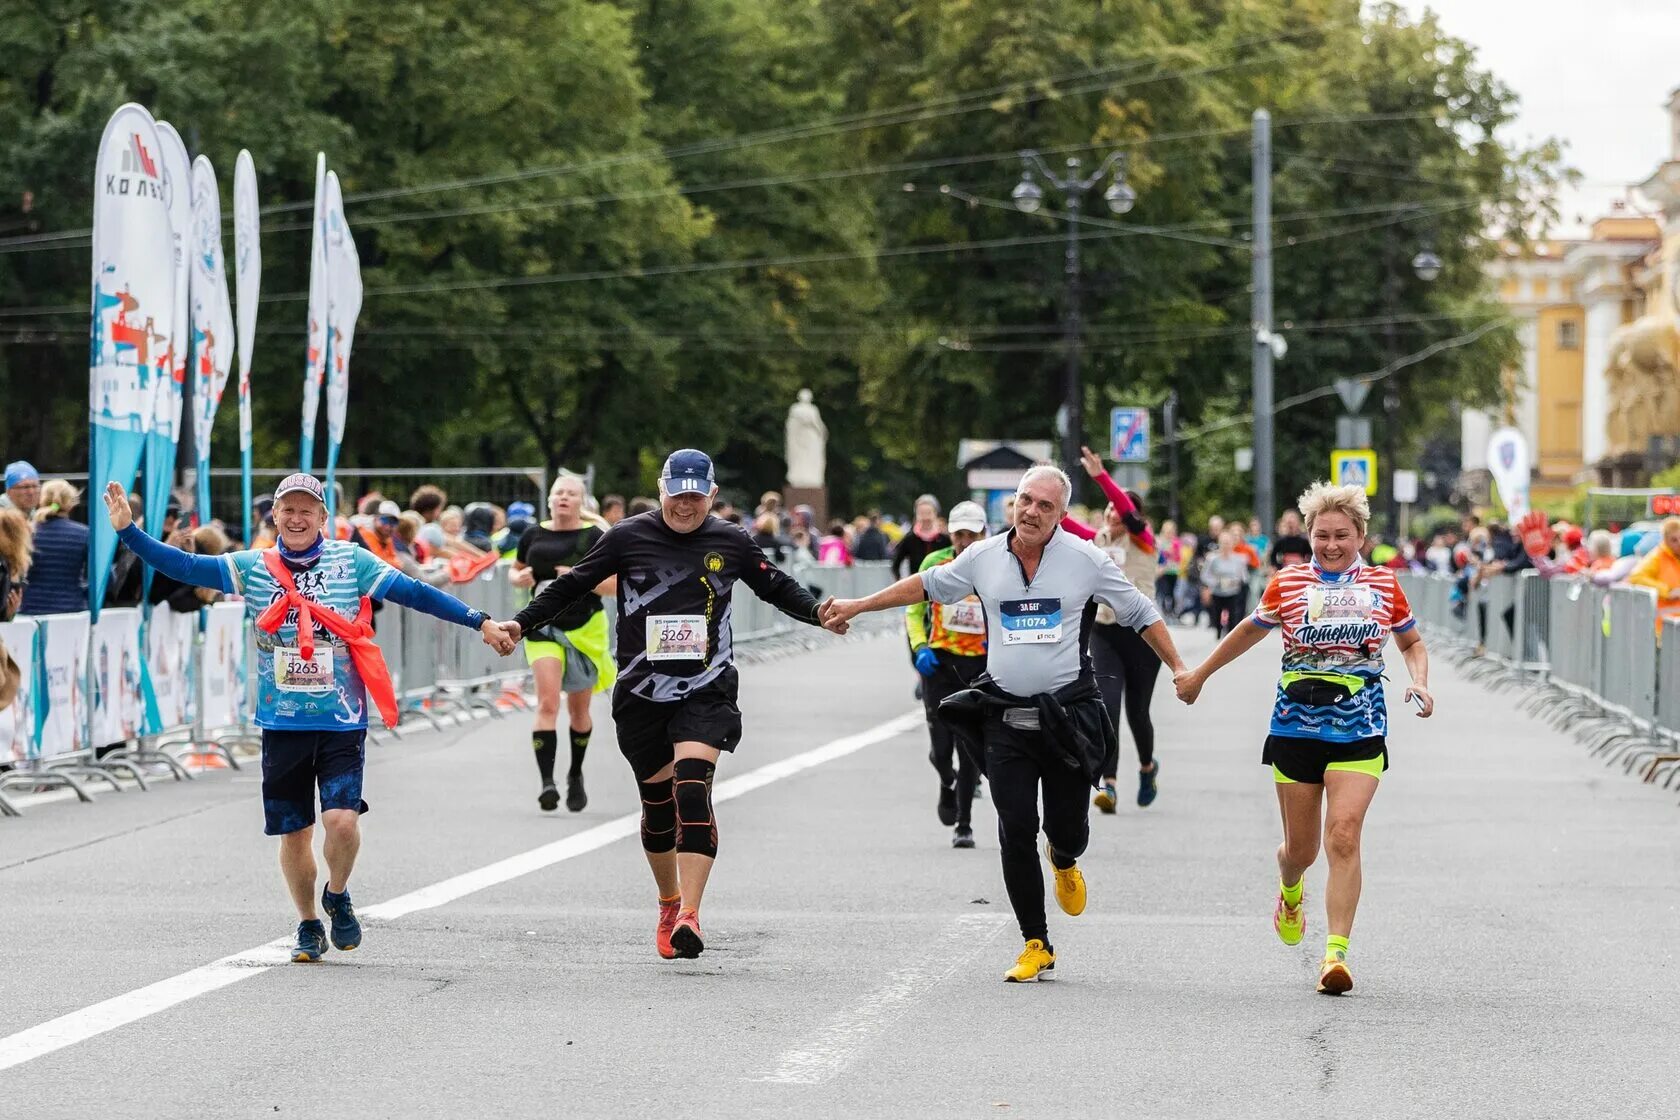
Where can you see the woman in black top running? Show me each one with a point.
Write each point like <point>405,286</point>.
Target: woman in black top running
<point>569,654</point>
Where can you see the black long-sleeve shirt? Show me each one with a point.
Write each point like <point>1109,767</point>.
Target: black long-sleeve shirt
<point>675,599</point>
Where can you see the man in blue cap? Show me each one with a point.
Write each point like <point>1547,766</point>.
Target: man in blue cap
<point>23,488</point>
<point>675,701</point>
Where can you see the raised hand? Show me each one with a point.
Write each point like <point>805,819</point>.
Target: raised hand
<point>116,504</point>
<point>1091,461</point>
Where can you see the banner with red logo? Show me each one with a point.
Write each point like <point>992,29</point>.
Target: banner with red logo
<point>212,319</point>
<point>247,276</point>
<point>315,355</point>
<point>133,278</point>
<point>344,303</point>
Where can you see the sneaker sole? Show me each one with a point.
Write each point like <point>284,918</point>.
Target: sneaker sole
<point>1335,983</point>
<point>305,958</point>
<point>578,805</point>
<point>1104,803</point>
<point>549,799</point>
<point>686,943</point>
<point>1041,974</point>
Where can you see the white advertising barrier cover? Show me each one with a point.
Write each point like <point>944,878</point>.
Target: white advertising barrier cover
<point>224,665</point>
<point>118,708</point>
<point>64,655</point>
<point>17,723</point>
<point>169,648</point>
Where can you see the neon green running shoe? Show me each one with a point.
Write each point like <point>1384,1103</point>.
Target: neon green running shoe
<point>1290,921</point>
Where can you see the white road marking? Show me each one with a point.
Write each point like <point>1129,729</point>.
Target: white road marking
<point>833,1047</point>
<point>119,1011</point>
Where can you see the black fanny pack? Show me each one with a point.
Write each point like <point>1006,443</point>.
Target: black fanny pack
<point>1320,691</point>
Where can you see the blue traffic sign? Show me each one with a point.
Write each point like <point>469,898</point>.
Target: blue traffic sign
<point>1128,435</point>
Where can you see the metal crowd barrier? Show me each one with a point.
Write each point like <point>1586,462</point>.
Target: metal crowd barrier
<point>1589,655</point>
<point>98,702</point>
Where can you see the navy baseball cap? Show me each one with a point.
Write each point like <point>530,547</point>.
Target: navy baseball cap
<point>688,472</point>
<point>301,484</point>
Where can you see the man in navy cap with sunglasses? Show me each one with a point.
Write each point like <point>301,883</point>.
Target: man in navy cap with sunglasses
<point>675,701</point>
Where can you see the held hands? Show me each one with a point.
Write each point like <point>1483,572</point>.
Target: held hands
<point>836,614</point>
<point>1091,461</point>
<point>1425,702</point>
<point>116,504</point>
<point>1188,684</point>
<point>498,636</point>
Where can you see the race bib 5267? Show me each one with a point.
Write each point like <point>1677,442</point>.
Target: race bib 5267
<point>676,637</point>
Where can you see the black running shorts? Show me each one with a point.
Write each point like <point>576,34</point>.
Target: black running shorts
<point>1305,760</point>
<point>647,731</point>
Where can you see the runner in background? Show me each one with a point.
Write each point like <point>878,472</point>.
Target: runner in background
<point>1327,745</point>
<point>1126,667</point>
<point>570,654</point>
<point>948,647</point>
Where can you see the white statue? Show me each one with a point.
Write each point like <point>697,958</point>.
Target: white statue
<point>807,441</point>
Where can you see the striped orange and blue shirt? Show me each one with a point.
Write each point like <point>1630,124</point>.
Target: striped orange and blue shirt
<point>1334,622</point>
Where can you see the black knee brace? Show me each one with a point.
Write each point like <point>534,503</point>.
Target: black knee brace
<point>697,830</point>
<point>659,816</point>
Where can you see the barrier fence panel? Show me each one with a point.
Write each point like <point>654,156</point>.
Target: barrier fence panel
<point>189,679</point>
<point>1534,622</point>
<point>1630,652</point>
<point>1668,688</point>
<point>17,722</point>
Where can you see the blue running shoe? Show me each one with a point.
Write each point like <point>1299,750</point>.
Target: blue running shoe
<point>1146,784</point>
<point>311,942</point>
<point>346,930</point>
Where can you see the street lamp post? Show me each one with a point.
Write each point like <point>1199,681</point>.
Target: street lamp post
<point>1029,197</point>
<point>1426,266</point>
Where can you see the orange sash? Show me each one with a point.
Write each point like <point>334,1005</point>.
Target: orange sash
<point>365,655</point>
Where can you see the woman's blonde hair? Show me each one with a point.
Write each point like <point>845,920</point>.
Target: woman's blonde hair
<point>15,543</point>
<point>1324,497</point>
<point>58,498</point>
<point>209,541</point>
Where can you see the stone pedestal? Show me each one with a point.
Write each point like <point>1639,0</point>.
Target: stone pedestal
<point>814,496</point>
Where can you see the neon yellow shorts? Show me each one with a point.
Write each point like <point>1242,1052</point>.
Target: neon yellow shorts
<point>583,652</point>
<point>1305,760</point>
<point>1371,766</point>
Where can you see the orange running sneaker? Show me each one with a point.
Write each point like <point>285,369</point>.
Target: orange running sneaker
<point>667,922</point>
<point>686,940</point>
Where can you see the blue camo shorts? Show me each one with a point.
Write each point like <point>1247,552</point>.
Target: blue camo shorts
<point>295,763</point>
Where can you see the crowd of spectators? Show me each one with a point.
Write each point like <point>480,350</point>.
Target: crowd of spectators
<point>1210,575</point>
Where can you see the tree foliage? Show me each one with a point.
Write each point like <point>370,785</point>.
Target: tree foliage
<point>593,230</point>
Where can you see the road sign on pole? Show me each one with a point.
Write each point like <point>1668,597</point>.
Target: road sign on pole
<point>1354,467</point>
<point>1352,391</point>
<point>1405,487</point>
<point>1128,430</point>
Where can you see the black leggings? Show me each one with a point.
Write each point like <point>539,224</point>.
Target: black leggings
<point>1228,610</point>
<point>1126,671</point>
<point>949,757</point>
<point>1017,764</point>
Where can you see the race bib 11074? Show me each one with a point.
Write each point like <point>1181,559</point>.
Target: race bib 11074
<point>1030,621</point>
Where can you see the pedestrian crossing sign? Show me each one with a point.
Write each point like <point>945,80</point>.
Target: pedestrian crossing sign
<point>1354,468</point>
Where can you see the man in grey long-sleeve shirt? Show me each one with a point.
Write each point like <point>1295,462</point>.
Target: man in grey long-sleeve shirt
<point>1039,586</point>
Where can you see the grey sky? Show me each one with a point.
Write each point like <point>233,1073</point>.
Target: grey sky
<point>1594,73</point>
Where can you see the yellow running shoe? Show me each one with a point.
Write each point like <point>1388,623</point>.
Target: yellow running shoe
<point>1290,921</point>
<point>1034,960</point>
<point>1334,978</point>
<point>1105,800</point>
<point>1070,886</point>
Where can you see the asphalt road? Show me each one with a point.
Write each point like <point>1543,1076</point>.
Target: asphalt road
<point>1514,955</point>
